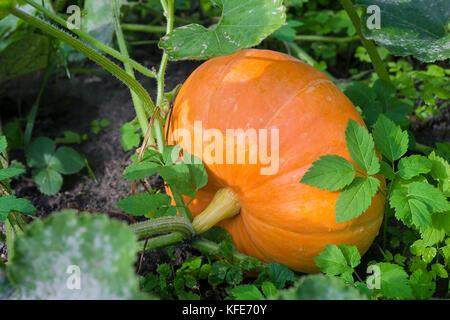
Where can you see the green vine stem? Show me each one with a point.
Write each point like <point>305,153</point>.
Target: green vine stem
<point>85,36</point>
<point>303,37</point>
<point>91,54</point>
<point>212,249</point>
<point>368,44</point>
<point>143,28</point>
<point>141,113</point>
<point>163,225</point>
<point>160,242</point>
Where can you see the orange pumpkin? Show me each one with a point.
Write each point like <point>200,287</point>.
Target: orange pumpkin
<point>280,220</point>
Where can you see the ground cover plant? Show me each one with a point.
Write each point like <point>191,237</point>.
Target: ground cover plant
<point>339,167</point>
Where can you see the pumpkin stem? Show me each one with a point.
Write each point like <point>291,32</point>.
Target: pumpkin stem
<point>225,204</point>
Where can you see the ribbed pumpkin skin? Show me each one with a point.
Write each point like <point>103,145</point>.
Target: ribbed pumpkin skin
<point>281,219</point>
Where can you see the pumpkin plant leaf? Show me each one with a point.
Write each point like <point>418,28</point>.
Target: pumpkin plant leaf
<point>413,27</point>
<point>390,140</point>
<point>409,167</point>
<point>98,21</point>
<point>11,203</point>
<point>23,56</point>
<point>243,24</point>
<point>51,254</point>
<point>178,176</point>
<point>40,152</point>
<point>361,147</point>
<point>143,203</point>
<point>199,176</point>
<point>356,198</point>
<point>330,172</point>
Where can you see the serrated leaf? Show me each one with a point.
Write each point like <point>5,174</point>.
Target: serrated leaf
<point>360,94</point>
<point>279,275</point>
<point>243,24</point>
<point>386,170</point>
<point>384,90</point>
<point>361,147</point>
<point>429,195</point>
<point>40,152</point>
<point>413,27</point>
<point>409,167</point>
<point>171,154</point>
<point>421,217</point>
<point>410,210</point>
<point>356,198</point>
<point>198,174</point>
<point>11,203</point>
<point>178,176</point>
<point>53,253</point>
<point>246,292</point>
<point>332,261</point>
<point>390,139</point>
<point>143,203</point>
<point>10,172</point>
<point>140,170</point>
<point>321,287</point>
<point>394,281</point>
<point>66,161</point>
<point>49,181</point>
<point>330,172</point>
<point>422,284</point>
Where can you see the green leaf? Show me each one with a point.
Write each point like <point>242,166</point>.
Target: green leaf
<point>330,172</point>
<point>242,25</point>
<point>246,292</point>
<point>384,90</point>
<point>421,217</point>
<point>140,170</point>
<point>422,284</point>
<point>321,287</point>
<point>53,253</point>
<point>66,161</point>
<point>409,167</point>
<point>11,203</point>
<point>143,203</point>
<point>197,171</point>
<point>414,27</point>
<point>218,272</point>
<point>360,94</point>
<point>3,144</point>
<point>410,210</point>
<point>361,147</point>
<point>386,170</point>
<point>279,275</point>
<point>171,154</point>
<point>69,138</point>
<point>394,281</point>
<point>431,196</point>
<point>98,21</point>
<point>356,198</point>
<point>49,181</point>
<point>334,260</point>
<point>28,54</point>
<point>40,152</point>
<point>269,289</point>
<point>131,136</point>
<point>390,139</point>
<point>8,173</point>
<point>178,176</point>
<point>234,275</point>
<point>287,31</point>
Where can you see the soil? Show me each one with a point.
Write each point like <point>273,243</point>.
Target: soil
<point>71,104</point>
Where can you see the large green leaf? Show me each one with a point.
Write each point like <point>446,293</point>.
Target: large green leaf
<point>243,24</point>
<point>52,255</point>
<point>414,27</point>
<point>98,20</point>
<point>23,56</point>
